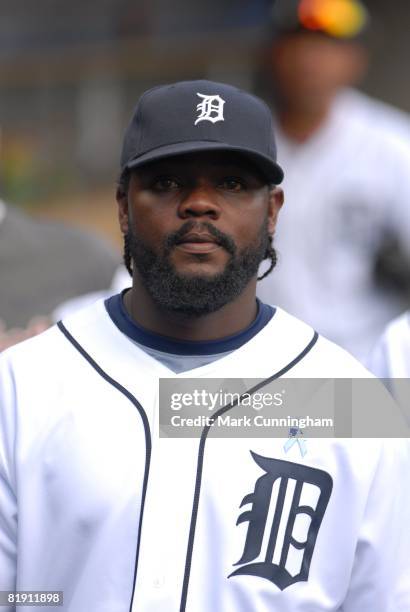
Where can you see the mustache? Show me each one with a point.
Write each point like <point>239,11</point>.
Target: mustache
<point>222,239</point>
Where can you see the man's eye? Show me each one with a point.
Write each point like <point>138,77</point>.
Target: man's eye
<point>233,183</point>
<point>165,183</point>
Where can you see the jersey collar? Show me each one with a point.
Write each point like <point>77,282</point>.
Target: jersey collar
<point>120,317</point>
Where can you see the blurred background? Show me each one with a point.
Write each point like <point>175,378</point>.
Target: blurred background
<point>70,74</point>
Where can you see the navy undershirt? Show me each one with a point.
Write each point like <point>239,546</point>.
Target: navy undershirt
<point>116,309</point>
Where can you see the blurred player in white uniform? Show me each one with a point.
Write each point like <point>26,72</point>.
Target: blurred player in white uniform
<point>94,503</point>
<point>347,166</point>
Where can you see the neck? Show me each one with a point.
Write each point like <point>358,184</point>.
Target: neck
<point>228,320</point>
<point>300,125</point>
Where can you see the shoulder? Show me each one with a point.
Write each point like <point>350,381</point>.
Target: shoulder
<point>369,400</point>
<point>379,124</point>
<point>47,355</point>
<point>36,356</point>
<point>321,357</point>
<point>355,103</point>
<point>31,372</point>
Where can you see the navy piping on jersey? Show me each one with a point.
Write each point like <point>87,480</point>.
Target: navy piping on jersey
<point>148,443</point>
<point>200,463</point>
<point>148,447</point>
<point>120,317</point>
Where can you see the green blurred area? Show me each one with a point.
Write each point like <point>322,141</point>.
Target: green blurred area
<point>28,179</point>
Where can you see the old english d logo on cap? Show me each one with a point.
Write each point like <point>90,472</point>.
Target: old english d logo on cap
<point>211,108</point>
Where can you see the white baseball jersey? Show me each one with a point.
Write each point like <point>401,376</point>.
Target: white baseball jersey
<point>390,357</point>
<point>390,360</point>
<point>346,187</point>
<point>96,504</point>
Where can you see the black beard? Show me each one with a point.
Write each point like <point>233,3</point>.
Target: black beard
<point>196,296</point>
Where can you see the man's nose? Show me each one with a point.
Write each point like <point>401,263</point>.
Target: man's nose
<point>200,201</point>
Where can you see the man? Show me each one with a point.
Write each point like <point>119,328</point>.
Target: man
<point>41,265</point>
<point>94,502</point>
<point>347,165</point>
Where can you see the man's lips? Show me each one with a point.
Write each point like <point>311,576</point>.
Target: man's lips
<point>198,243</point>
<point>195,237</point>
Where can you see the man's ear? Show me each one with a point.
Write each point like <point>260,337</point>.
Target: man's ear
<point>276,199</point>
<point>122,201</point>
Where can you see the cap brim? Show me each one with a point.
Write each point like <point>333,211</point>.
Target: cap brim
<point>270,169</point>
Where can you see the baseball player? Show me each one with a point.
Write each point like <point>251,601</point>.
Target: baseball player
<point>346,159</point>
<point>95,503</point>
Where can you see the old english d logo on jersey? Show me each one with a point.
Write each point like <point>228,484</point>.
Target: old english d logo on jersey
<point>210,109</point>
<point>291,476</point>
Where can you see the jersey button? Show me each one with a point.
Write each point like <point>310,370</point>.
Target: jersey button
<point>158,582</point>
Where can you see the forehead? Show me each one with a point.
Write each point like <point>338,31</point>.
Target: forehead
<point>203,163</point>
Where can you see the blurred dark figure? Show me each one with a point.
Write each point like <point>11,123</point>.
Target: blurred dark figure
<point>345,225</point>
<point>43,264</point>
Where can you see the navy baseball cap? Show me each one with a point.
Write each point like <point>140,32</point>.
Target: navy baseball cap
<point>192,116</point>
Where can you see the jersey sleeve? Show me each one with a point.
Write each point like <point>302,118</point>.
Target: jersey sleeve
<point>380,579</point>
<point>398,209</point>
<point>377,361</point>
<point>8,501</point>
